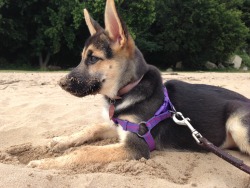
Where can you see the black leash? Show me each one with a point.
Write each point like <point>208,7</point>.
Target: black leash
<point>210,146</point>
<point>224,155</point>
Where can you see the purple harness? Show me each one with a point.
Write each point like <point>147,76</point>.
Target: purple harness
<point>162,113</point>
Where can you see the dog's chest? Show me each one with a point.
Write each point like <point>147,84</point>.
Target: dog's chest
<point>131,118</point>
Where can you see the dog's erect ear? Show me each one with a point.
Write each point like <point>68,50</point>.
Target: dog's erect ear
<point>93,26</point>
<point>117,31</point>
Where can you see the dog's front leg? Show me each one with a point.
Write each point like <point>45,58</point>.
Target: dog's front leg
<point>86,155</point>
<point>90,133</point>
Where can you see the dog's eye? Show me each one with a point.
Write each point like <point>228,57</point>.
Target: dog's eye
<point>92,59</point>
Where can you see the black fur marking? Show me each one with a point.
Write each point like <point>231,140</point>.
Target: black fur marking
<point>138,147</point>
<point>90,52</point>
<point>101,42</point>
<point>246,119</point>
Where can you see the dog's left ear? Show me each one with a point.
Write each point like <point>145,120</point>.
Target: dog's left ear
<point>93,26</point>
<point>116,29</point>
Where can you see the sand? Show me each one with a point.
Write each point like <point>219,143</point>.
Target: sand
<point>34,109</point>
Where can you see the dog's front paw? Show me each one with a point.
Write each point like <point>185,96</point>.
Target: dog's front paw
<point>59,144</point>
<point>37,164</point>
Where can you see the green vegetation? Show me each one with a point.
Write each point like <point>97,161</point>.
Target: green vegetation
<point>38,33</point>
<point>245,57</point>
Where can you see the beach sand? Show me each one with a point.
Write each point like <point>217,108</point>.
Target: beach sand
<point>34,109</point>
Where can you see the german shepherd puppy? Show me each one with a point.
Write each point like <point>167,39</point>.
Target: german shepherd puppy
<point>113,66</point>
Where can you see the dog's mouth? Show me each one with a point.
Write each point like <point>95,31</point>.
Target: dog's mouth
<point>80,87</point>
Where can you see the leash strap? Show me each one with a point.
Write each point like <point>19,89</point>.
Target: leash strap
<point>224,155</point>
<point>209,146</point>
<point>162,113</point>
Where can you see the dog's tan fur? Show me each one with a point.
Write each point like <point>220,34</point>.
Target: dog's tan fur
<point>85,155</point>
<point>89,134</point>
<point>237,133</point>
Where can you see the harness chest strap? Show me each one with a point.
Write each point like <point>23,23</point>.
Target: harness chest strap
<point>162,113</point>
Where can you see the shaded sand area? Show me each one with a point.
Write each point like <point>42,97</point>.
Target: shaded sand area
<point>34,109</point>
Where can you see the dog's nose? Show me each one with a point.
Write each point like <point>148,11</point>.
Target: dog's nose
<point>63,82</point>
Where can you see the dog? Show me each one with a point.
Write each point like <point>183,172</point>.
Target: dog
<point>133,91</point>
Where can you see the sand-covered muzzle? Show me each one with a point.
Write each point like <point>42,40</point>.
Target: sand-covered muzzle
<point>80,86</point>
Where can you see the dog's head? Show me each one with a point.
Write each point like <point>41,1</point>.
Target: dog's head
<point>110,59</point>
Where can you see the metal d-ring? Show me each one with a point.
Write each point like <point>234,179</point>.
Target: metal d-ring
<point>141,123</point>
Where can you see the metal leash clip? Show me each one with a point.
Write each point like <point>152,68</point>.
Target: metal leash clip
<point>185,121</point>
